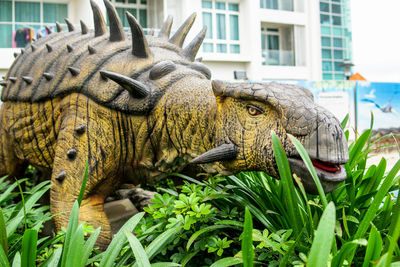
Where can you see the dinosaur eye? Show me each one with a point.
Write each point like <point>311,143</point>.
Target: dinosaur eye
<point>253,111</point>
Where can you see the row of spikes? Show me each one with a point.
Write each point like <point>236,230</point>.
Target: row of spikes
<point>140,47</point>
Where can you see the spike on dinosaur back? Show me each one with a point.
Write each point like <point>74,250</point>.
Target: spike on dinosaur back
<point>191,50</point>
<point>136,89</point>
<point>84,28</point>
<point>74,71</point>
<point>91,49</point>
<point>49,31</point>
<point>100,26</point>
<point>70,48</point>
<point>166,28</point>
<point>69,25</point>
<point>58,26</point>
<point>48,76</point>
<point>49,48</point>
<point>140,48</point>
<point>179,37</point>
<point>27,79</point>
<point>116,30</point>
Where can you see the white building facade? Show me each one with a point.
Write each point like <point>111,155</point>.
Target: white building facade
<point>256,39</point>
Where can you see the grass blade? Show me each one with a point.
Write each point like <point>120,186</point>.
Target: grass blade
<point>3,258</point>
<point>118,241</point>
<point>75,251</point>
<point>88,247</point>
<point>162,240</point>
<point>322,243</point>
<point>247,240</point>
<point>17,260</point>
<point>3,233</point>
<point>202,231</point>
<point>288,185</point>
<point>137,249</point>
<point>230,261</point>
<point>374,247</point>
<point>71,228</point>
<point>29,246</point>
<point>165,264</point>
<point>54,259</point>
<point>344,121</point>
<point>307,161</point>
<point>83,186</point>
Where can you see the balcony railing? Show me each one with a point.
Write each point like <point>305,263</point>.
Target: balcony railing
<point>286,5</point>
<point>278,58</point>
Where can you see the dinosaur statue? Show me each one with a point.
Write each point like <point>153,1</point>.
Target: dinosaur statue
<point>138,107</point>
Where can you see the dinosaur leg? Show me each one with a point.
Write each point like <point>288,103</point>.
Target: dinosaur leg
<point>84,136</point>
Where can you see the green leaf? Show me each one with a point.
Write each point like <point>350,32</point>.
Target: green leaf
<point>118,241</point>
<point>157,245</point>
<point>88,247</point>
<point>307,161</point>
<point>356,152</point>
<point>75,251</point>
<point>3,233</point>
<point>288,186</point>
<point>374,247</point>
<point>83,186</point>
<point>202,231</point>
<point>247,240</point>
<point>137,249</point>
<point>29,246</point>
<point>71,228</point>
<point>344,121</point>
<point>17,260</point>
<point>322,243</point>
<point>3,258</point>
<point>54,259</point>
<point>165,264</point>
<point>229,261</point>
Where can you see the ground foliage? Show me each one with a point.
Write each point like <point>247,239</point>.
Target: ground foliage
<point>247,219</point>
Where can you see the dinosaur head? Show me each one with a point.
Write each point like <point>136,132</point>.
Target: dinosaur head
<point>247,112</point>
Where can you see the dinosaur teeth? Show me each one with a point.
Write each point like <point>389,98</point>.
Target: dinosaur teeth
<point>49,48</point>
<point>69,25</point>
<point>74,71</point>
<point>58,26</point>
<point>84,28</point>
<point>48,76</point>
<point>27,79</point>
<point>70,48</point>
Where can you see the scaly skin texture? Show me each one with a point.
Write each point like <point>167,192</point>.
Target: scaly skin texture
<point>138,110</point>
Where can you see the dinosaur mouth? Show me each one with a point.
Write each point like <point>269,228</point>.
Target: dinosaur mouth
<point>329,174</point>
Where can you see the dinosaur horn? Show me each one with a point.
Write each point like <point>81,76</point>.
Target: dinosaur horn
<point>84,28</point>
<point>218,87</point>
<point>116,30</point>
<point>135,88</point>
<point>219,153</point>
<point>140,48</point>
<point>166,28</point>
<point>100,26</point>
<point>191,50</point>
<point>179,37</point>
<point>69,25</point>
<point>58,26</point>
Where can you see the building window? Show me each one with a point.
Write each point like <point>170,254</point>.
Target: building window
<point>138,8</point>
<point>277,4</point>
<point>21,21</point>
<point>222,21</point>
<point>276,45</point>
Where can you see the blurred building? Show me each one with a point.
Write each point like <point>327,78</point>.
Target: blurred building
<point>335,37</point>
<point>250,39</point>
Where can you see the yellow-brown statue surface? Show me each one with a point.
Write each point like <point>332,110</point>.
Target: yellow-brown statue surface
<point>139,107</point>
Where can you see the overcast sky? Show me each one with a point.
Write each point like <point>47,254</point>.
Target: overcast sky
<point>376,39</point>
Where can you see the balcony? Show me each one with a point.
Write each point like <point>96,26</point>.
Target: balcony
<point>286,5</point>
<point>277,58</point>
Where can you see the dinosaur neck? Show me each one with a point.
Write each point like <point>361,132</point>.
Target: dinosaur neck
<point>183,127</point>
